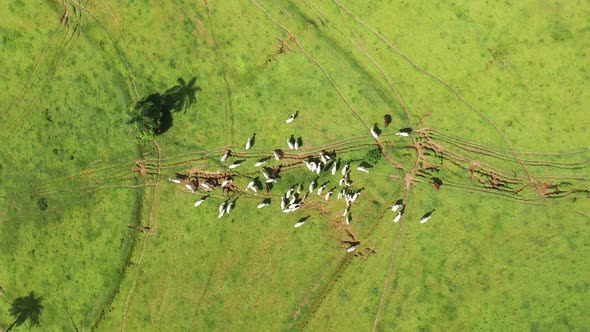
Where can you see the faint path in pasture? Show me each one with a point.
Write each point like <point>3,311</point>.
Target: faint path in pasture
<point>315,62</point>
<point>532,180</point>
<point>151,222</point>
<point>115,45</point>
<point>63,23</point>
<point>228,106</point>
<point>55,62</point>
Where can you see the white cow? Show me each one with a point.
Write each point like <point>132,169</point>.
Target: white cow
<point>352,248</point>
<point>321,189</point>
<point>362,169</point>
<point>374,133</point>
<point>226,155</point>
<point>299,224</point>
<point>345,169</point>
<point>292,117</point>
<point>328,195</point>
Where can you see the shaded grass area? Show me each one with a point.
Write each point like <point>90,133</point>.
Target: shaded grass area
<point>481,262</point>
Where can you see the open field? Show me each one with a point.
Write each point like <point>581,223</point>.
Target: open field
<point>497,96</point>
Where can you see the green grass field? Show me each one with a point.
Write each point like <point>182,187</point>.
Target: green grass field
<point>497,97</point>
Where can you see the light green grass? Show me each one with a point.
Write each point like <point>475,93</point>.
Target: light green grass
<point>483,262</point>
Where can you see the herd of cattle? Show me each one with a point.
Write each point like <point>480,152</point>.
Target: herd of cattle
<point>294,198</point>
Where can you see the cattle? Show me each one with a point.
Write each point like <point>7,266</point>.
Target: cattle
<point>292,117</point>
<point>362,169</point>
<point>426,217</point>
<point>299,224</point>
<point>352,248</point>
<point>250,142</point>
<point>397,205</point>
<point>404,132</point>
<point>226,155</point>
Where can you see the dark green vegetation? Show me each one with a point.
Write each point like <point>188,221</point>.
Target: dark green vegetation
<point>152,115</point>
<point>26,308</point>
<point>506,248</point>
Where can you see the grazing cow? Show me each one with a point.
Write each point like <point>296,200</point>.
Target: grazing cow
<point>192,186</point>
<point>346,211</point>
<point>341,182</point>
<point>222,207</point>
<point>278,153</point>
<point>328,195</point>
<point>226,182</point>
<point>404,132</point>
<point>250,185</point>
<point>283,203</point>
<point>235,164</point>
<point>229,207</point>
<point>261,205</point>
<point>345,169</point>
<point>292,117</point>
<point>322,189</point>
<point>348,218</point>
<point>265,173</point>
<point>397,205</point>
<point>291,142</point>
<point>289,192</point>
<point>352,248</point>
<point>426,217</point>
<point>271,181</point>
<point>375,132</point>
<point>206,186</point>
<point>318,170</point>
<point>386,120</point>
<point>199,202</point>
<point>226,155</point>
<point>304,197</point>
<point>335,167</point>
<point>250,142</point>
<point>299,224</point>
<point>312,185</point>
<point>362,169</point>
<point>261,162</point>
<point>221,214</point>
<point>437,183</point>
<point>323,157</point>
<point>397,216</point>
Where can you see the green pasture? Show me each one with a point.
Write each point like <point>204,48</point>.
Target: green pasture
<point>497,96</point>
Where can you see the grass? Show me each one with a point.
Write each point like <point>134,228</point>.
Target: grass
<point>68,190</point>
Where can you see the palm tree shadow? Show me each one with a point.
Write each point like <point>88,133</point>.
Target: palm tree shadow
<point>155,112</point>
<point>26,308</point>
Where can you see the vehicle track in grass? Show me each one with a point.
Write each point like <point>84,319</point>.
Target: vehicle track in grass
<point>228,105</point>
<point>40,58</point>
<point>152,223</point>
<point>57,61</point>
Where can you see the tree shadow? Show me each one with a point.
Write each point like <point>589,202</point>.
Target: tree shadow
<point>153,115</point>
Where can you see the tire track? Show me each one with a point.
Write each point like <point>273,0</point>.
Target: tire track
<point>228,106</point>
